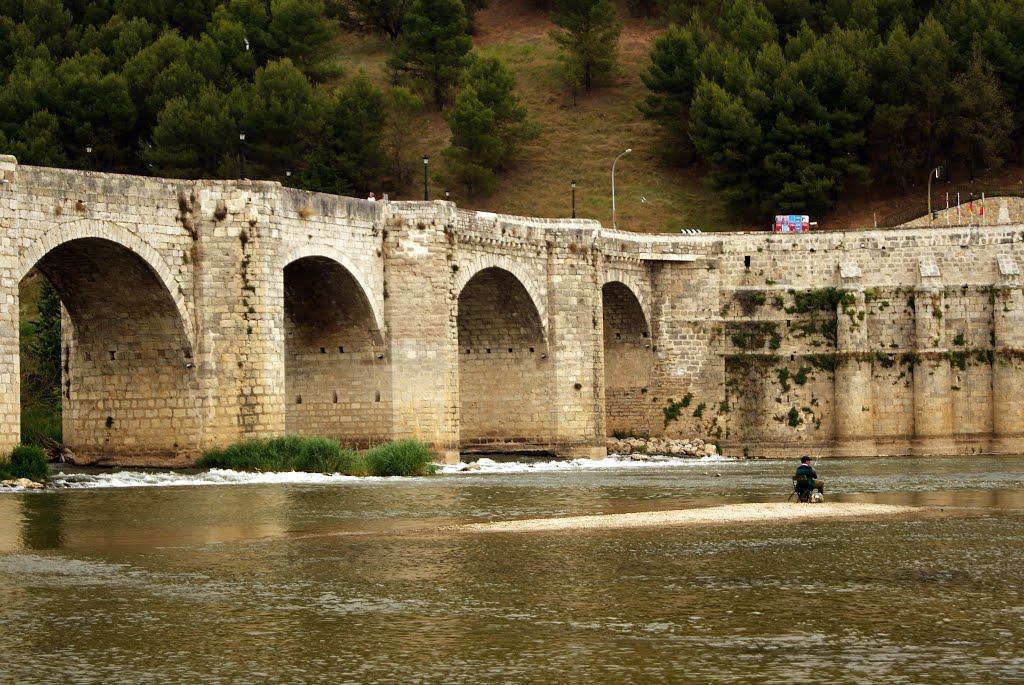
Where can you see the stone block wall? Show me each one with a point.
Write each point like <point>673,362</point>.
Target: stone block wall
<point>903,363</point>
<point>200,313</point>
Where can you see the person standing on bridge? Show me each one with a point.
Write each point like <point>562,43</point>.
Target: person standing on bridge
<point>371,198</point>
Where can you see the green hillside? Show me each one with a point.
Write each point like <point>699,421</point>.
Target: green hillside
<point>837,109</point>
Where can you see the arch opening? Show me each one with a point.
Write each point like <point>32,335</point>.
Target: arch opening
<point>503,368</point>
<point>337,371</point>
<point>628,363</point>
<point>127,381</point>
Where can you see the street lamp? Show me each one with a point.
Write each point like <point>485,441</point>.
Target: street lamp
<point>447,194</point>
<point>88,157</point>
<point>624,152</point>
<point>936,172</point>
<point>572,184</point>
<point>426,163</point>
<point>241,156</point>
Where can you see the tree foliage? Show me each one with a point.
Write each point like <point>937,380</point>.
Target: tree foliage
<point>434,47</point>
<point>588,42</point>
<point>789,101</point>
<point>488,126</point>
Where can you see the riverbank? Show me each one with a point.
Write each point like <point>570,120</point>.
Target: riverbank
<point>732,513</point>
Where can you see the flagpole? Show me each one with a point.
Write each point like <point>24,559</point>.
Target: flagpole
<point>947,208</point>
<point>983,209</point>
<point>958,221</point>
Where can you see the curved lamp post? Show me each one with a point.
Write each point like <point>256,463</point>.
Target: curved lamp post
<point>936,172</point>
<point>426,163</point>
<point>241,156</point>
<point>624,152</point>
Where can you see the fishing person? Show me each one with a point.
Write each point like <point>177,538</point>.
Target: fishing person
<point>807,478</point>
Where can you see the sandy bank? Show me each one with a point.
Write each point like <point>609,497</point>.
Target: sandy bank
<point>732,513</point>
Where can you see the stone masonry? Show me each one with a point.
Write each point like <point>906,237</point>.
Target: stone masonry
<point>200,313</point>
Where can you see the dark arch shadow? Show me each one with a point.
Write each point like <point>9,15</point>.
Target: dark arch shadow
<point>128,384</point>
<point>628,362</point>
<point>337,370</point>
<point>503,370</point>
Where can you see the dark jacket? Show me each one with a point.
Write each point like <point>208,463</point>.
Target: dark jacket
<point>805,470</point>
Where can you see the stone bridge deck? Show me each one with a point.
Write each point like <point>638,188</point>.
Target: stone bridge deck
<point>200,313</point>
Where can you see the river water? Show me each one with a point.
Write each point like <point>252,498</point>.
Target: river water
<point>219,577</point>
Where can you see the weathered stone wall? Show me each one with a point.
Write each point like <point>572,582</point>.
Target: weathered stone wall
<point>199,313</point>
<point>903,359</point>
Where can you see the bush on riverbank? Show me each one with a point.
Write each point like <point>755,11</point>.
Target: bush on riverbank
<point>27,461</point>
<point>322,455</point>
<point>41,425</point>
<point>400,458</point>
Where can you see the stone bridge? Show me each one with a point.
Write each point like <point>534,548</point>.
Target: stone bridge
<point>201,313</point>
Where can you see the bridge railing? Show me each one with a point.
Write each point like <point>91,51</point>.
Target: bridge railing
<point>920,208</point>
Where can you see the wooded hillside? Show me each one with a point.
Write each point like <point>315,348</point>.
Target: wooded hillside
<point>734,110</point>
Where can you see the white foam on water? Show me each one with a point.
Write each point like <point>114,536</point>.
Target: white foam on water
<point>612,461</point>
<point>483,465</point>
<point>139,479</point>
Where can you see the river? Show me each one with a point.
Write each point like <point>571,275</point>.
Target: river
<point>220,577</point>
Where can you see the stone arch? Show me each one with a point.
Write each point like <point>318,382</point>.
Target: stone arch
<point>630,281</point>
<point>373,299</point>
<point>504,372</point>
<point>110,232</point>
<point>337,372</point>
<point>129,384</point>
<point>468,270</point>
<point>628,360</point>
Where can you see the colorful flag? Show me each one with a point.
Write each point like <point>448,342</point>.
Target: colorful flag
<point>981,210</point>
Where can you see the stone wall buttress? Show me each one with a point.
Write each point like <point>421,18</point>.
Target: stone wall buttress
<point>854,400</point>
<point>10,374</point>
<point>418,311</point>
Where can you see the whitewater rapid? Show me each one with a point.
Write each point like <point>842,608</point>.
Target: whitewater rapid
<point>480,467</point>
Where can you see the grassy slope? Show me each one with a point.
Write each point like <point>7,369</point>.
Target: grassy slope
<point>580,141</point>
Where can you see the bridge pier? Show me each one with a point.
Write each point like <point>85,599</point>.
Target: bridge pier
<point>854,400</point>
<point>1008,360</point>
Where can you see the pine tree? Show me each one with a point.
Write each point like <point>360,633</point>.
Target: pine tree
<point>488,126</point>
<point>672,79</point>
<point>401,128</point>
<point>434,46</point>
<point>982,121</point>
<point>349,156</point>
<point>476,149</point>
<point>590,42</point>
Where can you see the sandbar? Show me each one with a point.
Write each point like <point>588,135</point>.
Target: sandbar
<point>730,513</point>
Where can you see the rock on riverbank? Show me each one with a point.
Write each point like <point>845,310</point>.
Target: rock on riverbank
<point>21,483</point>
<point>639,448</point>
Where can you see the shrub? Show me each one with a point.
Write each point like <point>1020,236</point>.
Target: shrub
<point>41,425</point>
<point>322,455</point>
<point>400,458</point>
<point>287,453</point>
<point>27,461</point>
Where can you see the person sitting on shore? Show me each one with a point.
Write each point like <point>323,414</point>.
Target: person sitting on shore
<point>807,478</point>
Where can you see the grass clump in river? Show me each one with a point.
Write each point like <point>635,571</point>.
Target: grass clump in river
<point>26,461</point>
<point>322,455</point>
